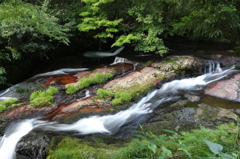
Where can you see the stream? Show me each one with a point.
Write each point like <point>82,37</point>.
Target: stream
<point>119,123</point>
<point>112,124</point>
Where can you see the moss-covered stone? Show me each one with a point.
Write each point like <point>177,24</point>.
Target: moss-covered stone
<point>74,148</point>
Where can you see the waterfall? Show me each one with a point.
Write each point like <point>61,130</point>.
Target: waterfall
<point>211,66</point>
<point>110,124</point>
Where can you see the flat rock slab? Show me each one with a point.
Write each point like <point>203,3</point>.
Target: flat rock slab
<point>143,77</point>
<point>228,89</point>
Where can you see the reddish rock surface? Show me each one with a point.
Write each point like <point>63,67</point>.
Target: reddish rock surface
<point>60,80</point>
<point>228,89</point>
<point>143,77</point>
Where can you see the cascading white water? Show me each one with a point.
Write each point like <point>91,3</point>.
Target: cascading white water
<point>109,124</point>
<point>11,137</point>
<point>212,66</point>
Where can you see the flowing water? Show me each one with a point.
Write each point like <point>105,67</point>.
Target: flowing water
<point>112,124</point>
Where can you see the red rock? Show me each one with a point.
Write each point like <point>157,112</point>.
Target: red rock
<point>225,89</point>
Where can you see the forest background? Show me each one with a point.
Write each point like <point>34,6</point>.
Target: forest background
<point>36,30</point>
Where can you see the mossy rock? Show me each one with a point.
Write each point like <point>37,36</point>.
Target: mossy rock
<point>74,148</point>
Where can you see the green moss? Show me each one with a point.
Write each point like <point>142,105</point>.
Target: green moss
<point>117,101</point>
<point>43,98</point>
<point>99,78</point>
<point>4,104</point>
<point>122,95</point>
<point>102,93</point>
<point>87,81</point>
<point>70,89</point>
<point>136,90</point>
<point>73,148</point>
<point>2,108</point>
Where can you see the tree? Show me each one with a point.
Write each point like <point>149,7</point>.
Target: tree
<point>128,21</point>
<point>28,29</point>
<point>211,19</point>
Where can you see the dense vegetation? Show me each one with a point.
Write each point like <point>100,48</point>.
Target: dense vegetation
<point>223,142</point>
<point>31,30</point>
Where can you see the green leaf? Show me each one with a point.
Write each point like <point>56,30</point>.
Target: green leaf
<point>166,152</point>
<point>169,131</point>
<point>152,147</point>
<point>215,148</point>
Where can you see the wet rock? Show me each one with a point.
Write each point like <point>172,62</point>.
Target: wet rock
<point>143,77</point>
<point>33,146</point>
<point>85,106</point>
<point>188,118</point>
<point>226,61</point>
<point>237,111</point>
<point>192,98</point>
<point>229,89</point>
<point>208,114</point>
<point>177,62</point>
<point>28,111</point>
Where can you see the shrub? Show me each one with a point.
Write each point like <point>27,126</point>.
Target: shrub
<point>43,98</point>
<point>70,89</point>
<point>200,143</point>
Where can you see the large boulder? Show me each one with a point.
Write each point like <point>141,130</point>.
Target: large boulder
<point>228,89</point>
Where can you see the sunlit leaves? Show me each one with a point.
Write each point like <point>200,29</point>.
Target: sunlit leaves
<point>137,22</point>
<point>123,39</point>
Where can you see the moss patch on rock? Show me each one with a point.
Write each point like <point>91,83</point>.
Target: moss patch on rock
<point>74,148</point>
<point>6,103</point>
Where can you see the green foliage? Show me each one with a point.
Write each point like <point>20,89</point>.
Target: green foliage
<point>43,98</point>
<point>216,20</point>
<point>2,78</point>
<point>20,20</point>
<point>200,143</point>
<point>27,28</point>
<point>138,22</point>
<point>4,104</point>
<point>102,93</point>
<point>70,89</point>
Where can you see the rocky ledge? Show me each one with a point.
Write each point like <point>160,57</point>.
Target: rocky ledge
<point>137,79</point>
